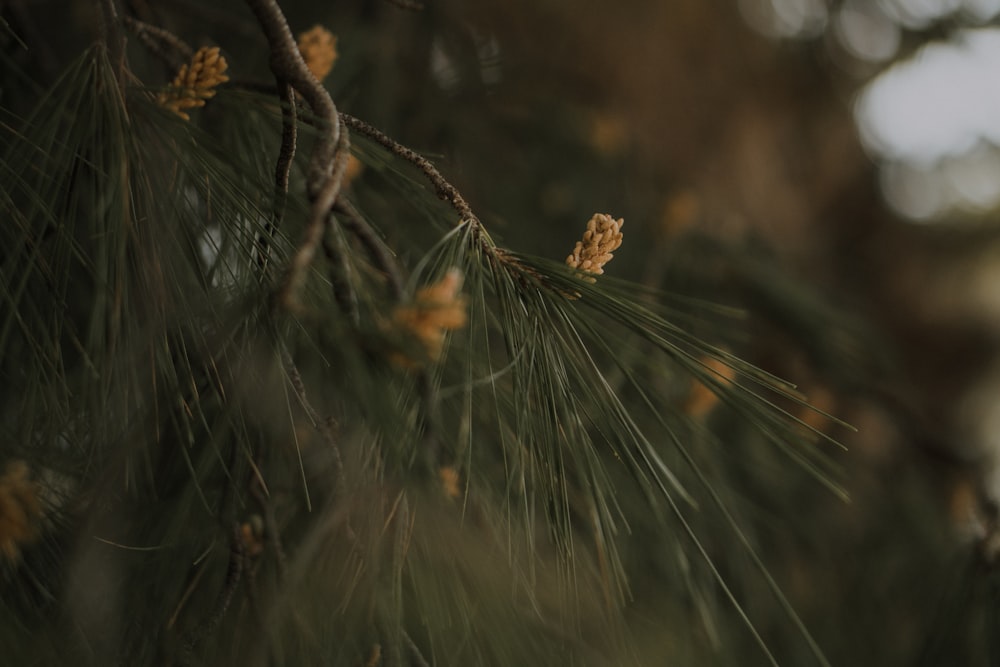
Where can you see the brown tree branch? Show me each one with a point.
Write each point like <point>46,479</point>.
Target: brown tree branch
<point>282,175</point>
<point>313,235</point>
<point>329,158</point>
<point>156,38</point>
<point>383,257</point>
<point>444,190</point>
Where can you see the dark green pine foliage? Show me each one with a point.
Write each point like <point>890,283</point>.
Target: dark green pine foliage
<point>235,467</point>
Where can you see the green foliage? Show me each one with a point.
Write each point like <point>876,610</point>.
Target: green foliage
<point>231,481</point>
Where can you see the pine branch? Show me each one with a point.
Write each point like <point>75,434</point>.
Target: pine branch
<point>329,159</point>
<point>381,254</point>
<point>234,574</point>
<point>282,174</point>
<point>320,424</point>
<point>159,40</point>
<point>322,205</point>
<point>444,190</point>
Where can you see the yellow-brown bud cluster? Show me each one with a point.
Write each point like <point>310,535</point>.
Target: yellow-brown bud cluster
<point>318,47</point>
<point>435,310</point>
<point>195,82</point>
<point>20,509</point>
<point>603,236</point>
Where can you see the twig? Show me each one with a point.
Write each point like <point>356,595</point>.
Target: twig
<point>282,174</point>
<point>329,158</point>
<point>444,190</point>
<point>289,134</point>
<point>376,248</point>
<point>289,68</point>
<point>155,38</point>
<point>319,424</point>
<point>340,274</point>
<point>234,573</point>
<point>313,234</point>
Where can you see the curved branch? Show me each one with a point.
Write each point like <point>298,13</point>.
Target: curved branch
<point>289,68</point>
<point>323,202</point>
<point>282,174</point>
<point>329,158</point>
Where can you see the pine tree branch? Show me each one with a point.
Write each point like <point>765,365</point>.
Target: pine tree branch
<point>158,40</point>
<point>322,205</point>
<point>444,190</point>
<point>357,225</point>
<point>376,248</point>
<point>282,175</point>
<point>329,159</point>
<point>234,574</point>
<point>321,425</point>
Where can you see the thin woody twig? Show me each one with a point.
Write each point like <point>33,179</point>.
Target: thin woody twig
<point>289,135</point>
<point>321,425</point>
<point>377,250</point>
<point>335,249</point>
<point>445,190</point>
<point>357,225</point>
<point>282,174</point>
<point>329,158</point>
<point>234,573</point>
<point>156,38</point>
<point>324,426</point>
<point>313,235</point>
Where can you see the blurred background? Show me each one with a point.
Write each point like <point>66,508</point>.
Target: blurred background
<point>830,167</point>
